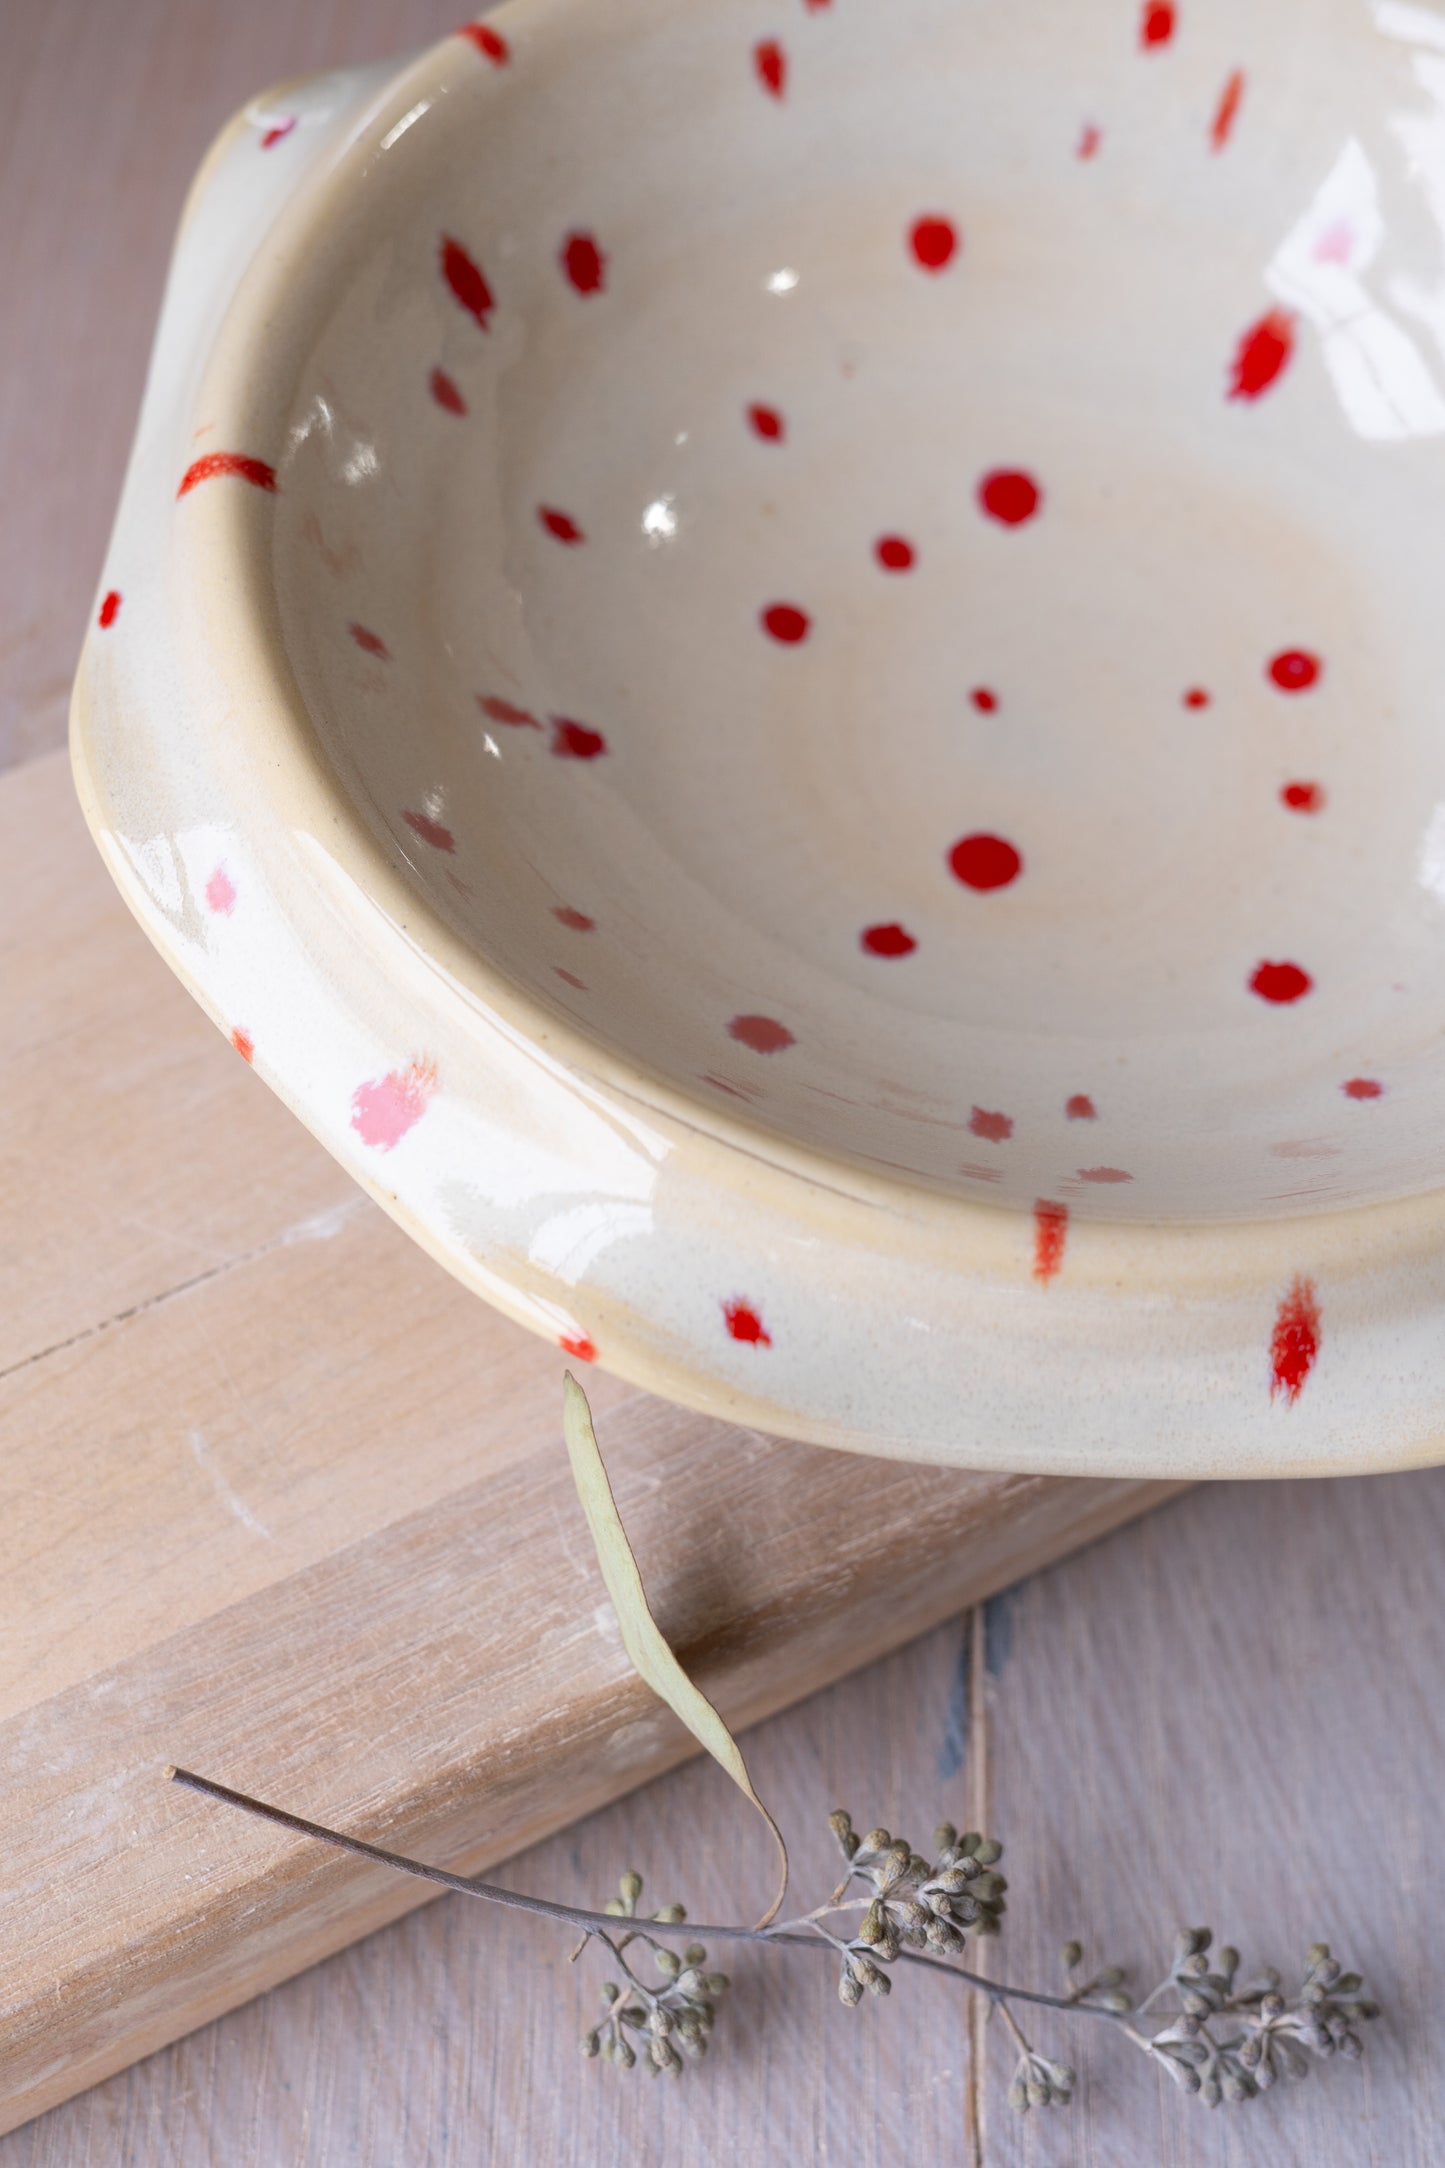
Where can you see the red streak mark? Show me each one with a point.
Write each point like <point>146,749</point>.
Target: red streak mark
<point>570,977</point>
<point>244,1044</point>
<point>577,920</point>
<point>211,464</point>
<point>1227,111</point>
<point>583,262</point>
<point>1156,24</point>
<point>1261,354</point>
<point>894,553</point>
<point>1090,138</point>
<point>488,42</point>
<point>764,1034</point>
<point>1294,670</point>
<point>1303,797</point>
<point>767,422</point>
<point>503,711</point>
<point>771,65</point>
<point>466,280</point>
<point>736,1091</point>
<point>1051,1226</point>
<point>933,241</point>
<point>1280,982</point>
<point>993,1128</point>
<point>971,1172</point>
<point>371,643</point>
<point>984,862</point>
<point>1104,1174</point>
<point>385,1108</point>
<point>560,524</point>
<point>575,741</point>
<point>743,1323</point>
<point>891,940</point>
<point>1363,1087</point>
<point>1010,496</point>
<point>1081,1108</point>
<point>1196,697</point>
<point>278,133</point>
<point>1295,1341</point>
<point>578,1344</point>
<point>109,610</point>
<point>221,893</point>
<point>984,700</point>
<point>786,622</point>
<point>446,394</point>
<point>430,831</point>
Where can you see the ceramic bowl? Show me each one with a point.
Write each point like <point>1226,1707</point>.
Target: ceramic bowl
<point>781,665</point>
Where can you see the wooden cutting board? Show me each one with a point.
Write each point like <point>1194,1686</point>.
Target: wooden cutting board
<point>280,1502</point>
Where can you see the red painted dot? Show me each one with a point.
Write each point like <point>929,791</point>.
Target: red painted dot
<point>1080,1108</point>
<point>1090,138</point>
<point>1104,1174</point>
<point>994,1127</point>
<point>744,1323</point>
<point>1156,24</point>
<point>1363,1087</point>
<point>244,1044</point>
<point>764,1034</point>
<point>570,977</point>
<point>1295,1341</point>
<point>109,610</point>
<point>1227,111</point>
<point>560,525</point>
<point>1294,669</point>
<point>1303,797</point>
<point>1010,496</point>
<point>933,241</point>
<point>786,622</point>
<point>767,422</point>
<point>983,699</point>
<point>278,132</point>
<point>890,940</point>
<point>576,741</point>
<point>1196,697</point>
<point>984,861</point>
<point>584,263</point>
<point>894,553</point>
<point>240,464</point>
<point>430,831</point>
<point>771,64</point>
<point>505,711</point>
<point>445,393</point>
<point>489,42</point>
<point>577,920</point>
<point>466,280</point>
<point>1262,354</point>
<point>371,643</point>
<point>1051,1227</point>
<point>578,1344</point>
<point>1280,982</point>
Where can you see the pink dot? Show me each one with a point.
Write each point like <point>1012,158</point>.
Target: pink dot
<point>370,643</point>
<point>244,1044</point>
<point>744,1323</point>
<point>890,940</point>
<point>983,699</point>
<point>1156,24</point>
<point>933,241</point>
<point>766,422</point>
<point>1302,797</point>
<point>221,893</point>
<point>576,741</point>
<point>984,861</point>
<point>385,1108</point>
<point>1363,1087</point>
<point>445,393</point>
<point>1080,1108</point>
<point>109,610</point>
<point>1294,669</point>
<point>430,831</point>
<point>1196,697</point>
<point>1104,1174</point>
<point>995,1128</point>
<point>771,64</point>
<point>577,920</point>
<point>894,553</point>
<point>1090,138</point>
<point>560,525</point>
<point>1280,982</point>
<point>786,622</point>
<point>578,1344</point>
<point>764,1034</point>
<point>1009,495</point>
<point>584,263</point>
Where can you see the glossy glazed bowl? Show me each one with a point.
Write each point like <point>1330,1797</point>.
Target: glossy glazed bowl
<point>781,666</point>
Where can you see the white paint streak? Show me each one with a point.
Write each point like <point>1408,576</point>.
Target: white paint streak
<point>323,1225</point>
<point>224,1492</point>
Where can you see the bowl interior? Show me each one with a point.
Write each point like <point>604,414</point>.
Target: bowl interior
<point>883,569</point>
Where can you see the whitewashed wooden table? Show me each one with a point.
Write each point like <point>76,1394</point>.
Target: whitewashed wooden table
<point>1229,1712</point>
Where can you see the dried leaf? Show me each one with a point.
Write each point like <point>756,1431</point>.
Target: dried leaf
<point>650,1654</point>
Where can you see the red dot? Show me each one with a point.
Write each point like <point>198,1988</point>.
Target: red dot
<point>1080,1108</point>
<point>786,622</point>
<point>993,1127</point>
<point>894,553</point>
<point>1294,669</point>
<point>1104,1174</point>
<point>1089,140</point>
<point>241,464</point>
<point>1196,697</point>
<point>583,262</point>
<point>1295,1341</point>
<point>1156,24</point>
<point>244,1044</point>
<point>744,1323</point>
<point>1009,496</point>
<point>767,422</point>
<point>577,920</point>
<point>370,643</point>
<point>278,133</point>
<point>109,610</point>
<point>575,741</point>
<point>1363,1087</point>
<point>560,525</point>
<point>490,43</point>
<point>445,393</point>
<point>984,700</point>
<point>764,1034</point>
<point>1280,982</point>
<point>1051,1227</point>
<point>983,861</point>
<point>466,280</point>
<point>570,977</point>
<point>933,241</point>
<point>1303,797</point>
<point>505,711</point>
<point>890,940</point>
<point>1261,354</point>
<point>430,831</point>
<point>578,1344</point>
<point>771,65</point>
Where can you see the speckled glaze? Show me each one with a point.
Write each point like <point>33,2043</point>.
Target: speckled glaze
<point>781,666</point>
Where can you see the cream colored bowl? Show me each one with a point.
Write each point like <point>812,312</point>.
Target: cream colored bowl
<point>781,665</point>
